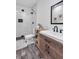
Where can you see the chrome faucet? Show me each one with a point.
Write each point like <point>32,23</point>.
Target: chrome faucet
<point>55,29</point>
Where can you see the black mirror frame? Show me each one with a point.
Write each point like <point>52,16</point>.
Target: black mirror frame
<point>51,12</point>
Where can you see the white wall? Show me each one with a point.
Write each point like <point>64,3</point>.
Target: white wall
<point>43,17</point>
<point>26,27</point>
<point>43,13</point>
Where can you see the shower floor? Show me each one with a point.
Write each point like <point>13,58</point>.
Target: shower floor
<point>30,52</point>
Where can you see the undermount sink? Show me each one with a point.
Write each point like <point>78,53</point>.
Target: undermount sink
<point>57,35</point>
<point>51,34</point>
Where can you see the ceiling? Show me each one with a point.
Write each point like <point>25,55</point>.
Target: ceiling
<point>27,3</point>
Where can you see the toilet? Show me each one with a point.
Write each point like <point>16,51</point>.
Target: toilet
<point>30,39</point>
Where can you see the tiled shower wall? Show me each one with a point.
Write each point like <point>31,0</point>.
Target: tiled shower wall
<point>29,21</point>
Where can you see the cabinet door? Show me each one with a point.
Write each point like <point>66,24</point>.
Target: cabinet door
<point>43,49</point>
<point>47,51</point>
<point>54,54</point>
<point>55,45</point>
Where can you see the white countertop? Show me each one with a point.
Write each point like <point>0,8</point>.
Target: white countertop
<point>54,35</point>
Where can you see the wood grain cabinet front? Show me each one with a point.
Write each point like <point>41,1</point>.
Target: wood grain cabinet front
<point>50,48</point>
<point>42,45</point>
<point>54,54</point>
<point>57,46</point>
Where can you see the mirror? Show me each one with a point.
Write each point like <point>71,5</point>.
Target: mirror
<point>57,13</point>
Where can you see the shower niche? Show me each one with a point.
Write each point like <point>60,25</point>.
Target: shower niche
<point>20,20</point>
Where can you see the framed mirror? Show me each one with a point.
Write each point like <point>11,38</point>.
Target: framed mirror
<point>57,13</point>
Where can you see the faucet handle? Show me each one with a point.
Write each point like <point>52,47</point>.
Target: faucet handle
<point>61,30</point>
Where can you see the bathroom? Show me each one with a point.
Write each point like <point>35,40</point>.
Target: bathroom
<point>37,20</point>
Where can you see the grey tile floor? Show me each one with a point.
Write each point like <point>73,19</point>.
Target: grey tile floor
<point>30,52</point>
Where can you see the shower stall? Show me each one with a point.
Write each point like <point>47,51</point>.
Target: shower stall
<point>25,20</point>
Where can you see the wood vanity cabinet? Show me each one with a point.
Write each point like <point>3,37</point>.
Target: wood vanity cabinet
<point>50,48</point>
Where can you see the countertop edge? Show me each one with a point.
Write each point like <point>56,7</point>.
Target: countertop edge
<point>47,35</point>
